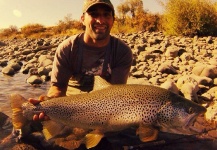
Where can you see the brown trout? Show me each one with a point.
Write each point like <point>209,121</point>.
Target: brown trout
<point>112,108</point>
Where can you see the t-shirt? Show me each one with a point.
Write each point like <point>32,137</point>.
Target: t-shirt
<point>75,63</point>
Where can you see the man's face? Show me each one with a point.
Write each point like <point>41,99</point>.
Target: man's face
<point>98,21</point>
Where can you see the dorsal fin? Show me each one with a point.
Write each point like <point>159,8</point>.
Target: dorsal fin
<point>100,83</point>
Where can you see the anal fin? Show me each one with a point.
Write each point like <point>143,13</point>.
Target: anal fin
<point>93,138</point>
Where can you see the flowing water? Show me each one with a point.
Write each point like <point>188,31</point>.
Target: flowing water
<point>17,84</point>
<point>14,84</point>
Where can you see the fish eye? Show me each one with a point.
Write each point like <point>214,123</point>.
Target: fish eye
<point>191,110</point>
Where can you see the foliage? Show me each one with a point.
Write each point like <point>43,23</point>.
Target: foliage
<point>31,29</point>
<point>133,18</point>
<point>9,32</point>
<point>67,25</point>
<point>184,17</point>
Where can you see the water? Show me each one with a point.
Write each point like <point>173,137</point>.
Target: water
<point>17,84</point>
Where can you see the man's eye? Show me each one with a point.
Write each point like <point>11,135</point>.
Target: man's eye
<point>94,14</point>
<point>107,15</point>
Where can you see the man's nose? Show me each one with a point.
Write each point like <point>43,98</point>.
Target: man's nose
<point>100,18</point>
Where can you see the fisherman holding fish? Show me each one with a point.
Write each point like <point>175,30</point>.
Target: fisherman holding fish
<point>95,52</point>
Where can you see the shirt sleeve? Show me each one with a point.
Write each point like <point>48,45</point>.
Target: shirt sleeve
<point>121,62</point>
<point>62,64</point>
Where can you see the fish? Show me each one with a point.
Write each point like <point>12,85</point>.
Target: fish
<point>110,109</point>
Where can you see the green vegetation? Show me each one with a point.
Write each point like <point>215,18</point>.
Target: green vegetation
<point>185,17</point>
<point>180,17</point>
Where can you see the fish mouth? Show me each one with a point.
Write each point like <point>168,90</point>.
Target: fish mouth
<point>185,128</point>
<point>189,127</point>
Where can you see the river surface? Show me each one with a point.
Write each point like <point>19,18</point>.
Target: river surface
<point>18,84</point>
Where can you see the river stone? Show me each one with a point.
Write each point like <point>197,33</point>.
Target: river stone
<point>34,79</point>
<point>8,70</point>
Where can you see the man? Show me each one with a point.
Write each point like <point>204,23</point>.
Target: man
<point>94,52</point>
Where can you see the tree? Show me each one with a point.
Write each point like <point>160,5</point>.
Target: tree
<point>184,17</point>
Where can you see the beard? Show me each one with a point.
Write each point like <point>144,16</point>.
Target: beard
<point>100,34</point>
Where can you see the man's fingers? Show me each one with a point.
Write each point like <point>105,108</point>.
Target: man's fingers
<point>41,116</point>
<point>33,101</point>
<point>35,118</point>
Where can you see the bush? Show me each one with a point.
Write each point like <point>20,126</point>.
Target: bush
<point>184,17</point>
<point>31,29</point>
<point>9,32</point>
<point>66,26</point>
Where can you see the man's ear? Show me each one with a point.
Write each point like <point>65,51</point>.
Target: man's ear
<point>82,19</point>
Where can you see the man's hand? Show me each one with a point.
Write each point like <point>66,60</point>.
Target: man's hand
<point>41,116</point>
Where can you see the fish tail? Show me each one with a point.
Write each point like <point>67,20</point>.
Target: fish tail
<point>18,120</point>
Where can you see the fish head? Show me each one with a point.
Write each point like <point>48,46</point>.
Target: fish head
<point>178,115</point>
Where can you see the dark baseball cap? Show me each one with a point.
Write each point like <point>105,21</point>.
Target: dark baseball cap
<point>89,3</point>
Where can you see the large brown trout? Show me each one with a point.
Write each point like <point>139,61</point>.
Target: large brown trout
<point>112,108</point>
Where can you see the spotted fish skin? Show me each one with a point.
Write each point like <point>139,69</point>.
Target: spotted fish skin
<point>112,108</point>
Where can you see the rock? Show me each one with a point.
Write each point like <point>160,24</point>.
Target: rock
<point>172,51</point>
<point>211,113</point>
<point>26,51</point>
<point>167,68</point>
<point>8,71</point>
<point>189,87</point>
<point>33,71</point>
<point>43,71</point>
<point>205,70</point>
<point>15,66</point>
<point>170,85</point>
<point>3,63</point>
<point>25,69</point>
<point>46,62</point>
<point>34,79</point>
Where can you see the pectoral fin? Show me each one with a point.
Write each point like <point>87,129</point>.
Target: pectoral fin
<point>93,138</point>
<point>147,133</point>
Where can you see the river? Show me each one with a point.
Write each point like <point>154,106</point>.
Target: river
<point>18,84</point>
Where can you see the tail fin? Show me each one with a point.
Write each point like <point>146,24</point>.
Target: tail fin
<point>19,121</point>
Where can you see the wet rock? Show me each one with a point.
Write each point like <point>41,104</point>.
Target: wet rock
<point>43,71</point>
<point>34,79</point>
<point>3,63</point>
<point>8,70</point>
<point>25,69</point>
<point>15,66</point>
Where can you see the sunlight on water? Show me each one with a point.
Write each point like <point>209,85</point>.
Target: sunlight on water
<point>17,84</point>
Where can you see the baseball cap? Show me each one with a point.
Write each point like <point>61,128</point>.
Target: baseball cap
<point>89,3</point>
